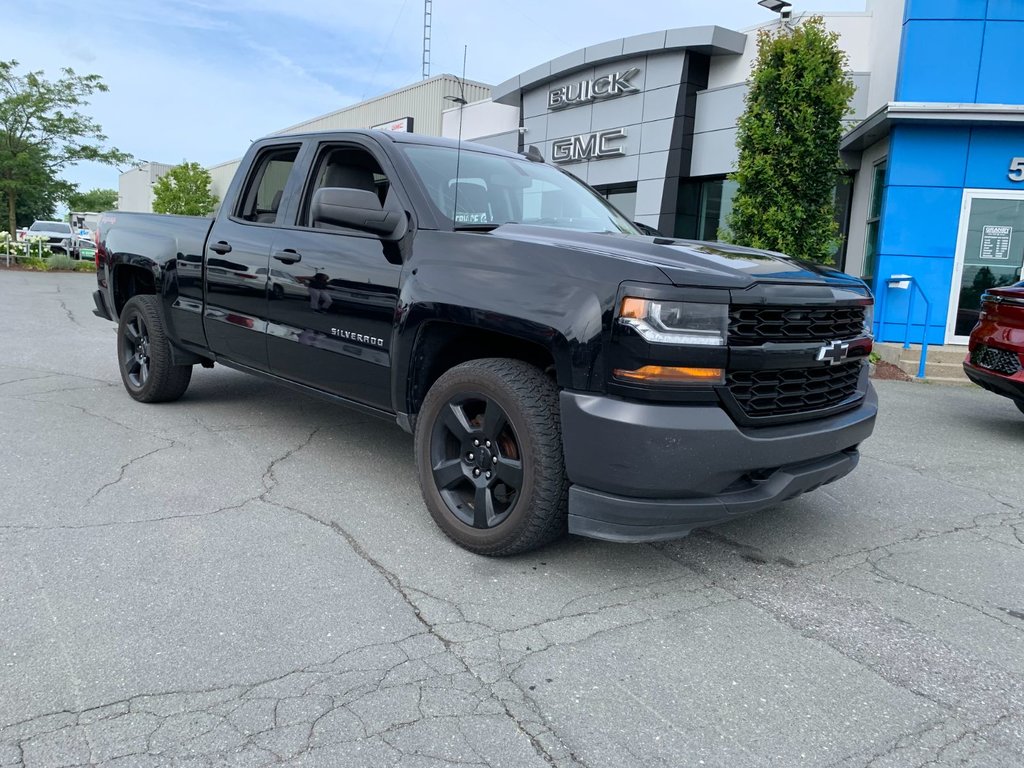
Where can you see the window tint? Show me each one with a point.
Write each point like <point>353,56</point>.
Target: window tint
<point>348,167</point>
<point>265,186</point>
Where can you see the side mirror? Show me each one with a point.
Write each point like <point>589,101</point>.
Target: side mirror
<point>357,209</point>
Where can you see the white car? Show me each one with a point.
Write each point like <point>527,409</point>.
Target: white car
<point>60,237</point>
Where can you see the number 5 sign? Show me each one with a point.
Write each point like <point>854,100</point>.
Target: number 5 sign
<point>1016,169</point>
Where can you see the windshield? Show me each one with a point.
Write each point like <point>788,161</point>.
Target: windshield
<point>495,189</point>
<point>49,226</point>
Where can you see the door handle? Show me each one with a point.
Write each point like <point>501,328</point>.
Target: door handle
<point>288,256</point>
<point>221,247</point>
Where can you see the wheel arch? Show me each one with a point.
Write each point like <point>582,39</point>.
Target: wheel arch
<point>131,279</point>
<point>440,345</point>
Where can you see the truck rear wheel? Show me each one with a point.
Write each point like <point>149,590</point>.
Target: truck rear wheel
<point>489,455</point>
<point>144,354</point>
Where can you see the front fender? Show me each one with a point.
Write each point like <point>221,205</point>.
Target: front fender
<point>565,321</point>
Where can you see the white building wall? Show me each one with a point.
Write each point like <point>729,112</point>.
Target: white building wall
<point>854,30</point>
<point>423,101</point>
<point>479,120</point>
<point>886,37</point>
<point>135,187</point>
<point>221,176</point>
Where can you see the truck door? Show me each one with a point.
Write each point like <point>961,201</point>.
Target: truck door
<point>333,291</point>
<point>237,258</point>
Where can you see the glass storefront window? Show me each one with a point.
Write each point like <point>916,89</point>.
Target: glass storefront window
<point>703,208</point>
<point>874,222</point>
<point>623,198</point>
<point>992,256</point>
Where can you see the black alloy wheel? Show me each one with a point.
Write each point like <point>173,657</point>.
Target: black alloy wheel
<point>135,351</point>
<point>476,460</point>
<point>144,354</point>
<point>489,455</point>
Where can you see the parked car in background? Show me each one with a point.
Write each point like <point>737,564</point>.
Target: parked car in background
<point>995,359</point>
<point>60,237</point>
<point>86,246</point>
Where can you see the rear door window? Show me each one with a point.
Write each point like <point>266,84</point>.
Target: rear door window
<point>264,189</point>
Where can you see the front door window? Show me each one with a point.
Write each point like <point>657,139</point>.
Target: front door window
<point>991,255</point>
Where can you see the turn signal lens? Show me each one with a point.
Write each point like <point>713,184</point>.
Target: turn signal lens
<point>662,374</point>
<point>634,308</point>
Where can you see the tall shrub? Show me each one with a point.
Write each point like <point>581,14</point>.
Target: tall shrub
<point>788,142</point>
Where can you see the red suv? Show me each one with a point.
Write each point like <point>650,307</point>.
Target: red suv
<point>996,357</point>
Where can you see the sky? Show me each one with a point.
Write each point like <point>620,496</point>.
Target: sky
<point>199,80</point>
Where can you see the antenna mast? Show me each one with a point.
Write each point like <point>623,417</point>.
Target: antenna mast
<point>427,13</point>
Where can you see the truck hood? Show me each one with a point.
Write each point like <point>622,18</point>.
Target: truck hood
<point>686,262</point>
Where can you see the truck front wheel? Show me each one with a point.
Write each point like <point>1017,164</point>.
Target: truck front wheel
<point>489,455</point>
<point>144,354</point>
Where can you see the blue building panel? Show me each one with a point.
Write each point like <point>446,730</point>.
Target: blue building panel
<point>920,221</point>
<point>945,9</point>
<point>934,276</point>
<point>1002,62</point>
<point>928,156</point>
<point>988,161</point>
<point>940,61</point>
<point>1006,10</point>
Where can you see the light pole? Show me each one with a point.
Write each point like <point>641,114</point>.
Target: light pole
<point>780,7</point>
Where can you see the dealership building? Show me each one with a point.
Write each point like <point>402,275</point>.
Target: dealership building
<point>933,146</point>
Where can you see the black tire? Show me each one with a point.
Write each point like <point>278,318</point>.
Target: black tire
<point>144,354</point>
<point>489,456</point>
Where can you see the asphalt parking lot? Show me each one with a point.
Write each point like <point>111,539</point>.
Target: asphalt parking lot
<point>249,577</point>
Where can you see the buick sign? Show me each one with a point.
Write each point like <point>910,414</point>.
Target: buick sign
<point>604,87</point>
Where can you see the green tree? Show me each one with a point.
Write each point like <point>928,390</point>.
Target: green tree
<point>40,199</point>
<point>43,130</point>
<point>97,200</point>
<point>185,190</point>
<point>788,142</point>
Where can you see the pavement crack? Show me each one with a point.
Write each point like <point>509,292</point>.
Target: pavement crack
<point>70,314</point>
<point>124,469</point>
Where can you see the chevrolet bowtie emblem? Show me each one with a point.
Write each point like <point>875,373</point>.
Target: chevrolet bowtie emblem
<point>834,352</point>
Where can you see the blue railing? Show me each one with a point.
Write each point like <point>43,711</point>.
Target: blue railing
<point>902,282</point>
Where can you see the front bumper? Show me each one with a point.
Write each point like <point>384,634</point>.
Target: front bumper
<point>1007,386</point>
<point>646,472</point>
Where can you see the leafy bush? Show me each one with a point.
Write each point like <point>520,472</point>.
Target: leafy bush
<point>61,261</point>
<point>34,262</point>
<point>85,266</point>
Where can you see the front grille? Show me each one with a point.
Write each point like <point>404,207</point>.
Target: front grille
<point>993,359</point>
<point>753,326</point>
<point>793,391</point>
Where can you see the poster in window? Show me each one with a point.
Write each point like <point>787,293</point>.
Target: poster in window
<point>995,242</point>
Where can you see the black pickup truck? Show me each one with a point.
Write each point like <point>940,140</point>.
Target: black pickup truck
<point>559,369</point>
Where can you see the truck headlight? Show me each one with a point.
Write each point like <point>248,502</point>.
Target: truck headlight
<point>676,322</point>
<point>869,320</point>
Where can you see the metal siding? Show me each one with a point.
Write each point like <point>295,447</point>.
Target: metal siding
<point>423,102</point>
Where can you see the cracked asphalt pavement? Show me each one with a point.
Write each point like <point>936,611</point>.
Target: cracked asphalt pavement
<point>249,577</point>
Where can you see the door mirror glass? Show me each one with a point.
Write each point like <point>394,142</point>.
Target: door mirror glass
<point>357,209</point>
